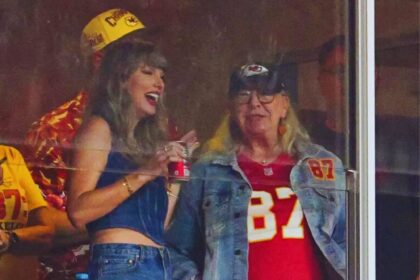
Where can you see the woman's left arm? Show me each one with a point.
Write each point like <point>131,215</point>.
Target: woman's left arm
<point>172,190</point>
<point>35,238</point>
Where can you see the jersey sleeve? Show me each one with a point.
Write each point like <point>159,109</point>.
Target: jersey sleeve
<point>33,193</point>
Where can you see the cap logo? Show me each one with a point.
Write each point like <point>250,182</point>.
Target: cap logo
<point>131,21</point>
<point>112,19</point>
<point>253,69</point>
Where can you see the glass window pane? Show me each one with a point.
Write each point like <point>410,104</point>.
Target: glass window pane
<point>397,140</point>
<point>302,53</point>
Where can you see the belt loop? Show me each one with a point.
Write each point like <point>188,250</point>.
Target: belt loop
<point>139,255</point>
<point>166,261</point>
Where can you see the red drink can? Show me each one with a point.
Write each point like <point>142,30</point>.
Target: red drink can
<point>180,170</point>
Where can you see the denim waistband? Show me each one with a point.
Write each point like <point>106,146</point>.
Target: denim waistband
<point>141,251</point>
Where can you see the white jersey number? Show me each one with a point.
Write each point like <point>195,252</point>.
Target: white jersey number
<point>293,228</point>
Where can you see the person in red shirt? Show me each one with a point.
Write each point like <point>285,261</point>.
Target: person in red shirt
<point>276,224</point>
<point>281,245</point>
<point>263,201</point>
<point>49,143</point>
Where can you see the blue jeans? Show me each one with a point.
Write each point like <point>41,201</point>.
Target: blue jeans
<point>129,262</point>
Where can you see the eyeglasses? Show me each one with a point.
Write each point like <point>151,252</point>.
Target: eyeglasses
<point>244,96</point>
<point>338,70</point>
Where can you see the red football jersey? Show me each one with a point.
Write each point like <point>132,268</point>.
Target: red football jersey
<point>280,243</point>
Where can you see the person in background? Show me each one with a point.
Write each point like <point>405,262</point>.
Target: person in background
<point>397,232</point>
<point>263,202</point>
<point>49,143</point>
<point>118,186</point>
<point>330,130</point>
<point>26,228</point>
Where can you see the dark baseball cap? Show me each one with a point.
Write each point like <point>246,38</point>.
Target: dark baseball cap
<point>267,79</point>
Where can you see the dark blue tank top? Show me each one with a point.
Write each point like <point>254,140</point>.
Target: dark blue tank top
<point>144,211</point>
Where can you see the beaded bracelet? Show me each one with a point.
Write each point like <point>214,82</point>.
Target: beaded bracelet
<point>127,185</point>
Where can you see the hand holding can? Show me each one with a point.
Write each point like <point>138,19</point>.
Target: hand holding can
<point>180,170</point>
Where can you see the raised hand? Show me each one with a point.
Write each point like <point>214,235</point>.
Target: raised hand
<point>190,138</point>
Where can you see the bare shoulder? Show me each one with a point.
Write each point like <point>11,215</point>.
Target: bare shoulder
<point>95,134</point>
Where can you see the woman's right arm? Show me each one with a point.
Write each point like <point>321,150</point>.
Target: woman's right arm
<point>85,202</point>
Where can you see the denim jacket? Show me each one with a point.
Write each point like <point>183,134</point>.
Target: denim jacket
<point>208,234</point>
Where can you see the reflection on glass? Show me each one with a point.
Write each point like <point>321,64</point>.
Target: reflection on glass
<point>330,128</point>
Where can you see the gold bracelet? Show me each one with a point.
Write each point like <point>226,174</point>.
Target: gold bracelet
<point>169,191</point>
<point>127,185</point>
<point>171,194</point>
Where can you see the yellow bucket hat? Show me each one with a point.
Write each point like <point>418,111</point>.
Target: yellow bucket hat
<point>107,27</point>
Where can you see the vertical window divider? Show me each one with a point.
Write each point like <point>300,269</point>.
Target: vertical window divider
<point>365,136</point>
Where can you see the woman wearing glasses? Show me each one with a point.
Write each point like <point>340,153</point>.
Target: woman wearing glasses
<point>263,203</point>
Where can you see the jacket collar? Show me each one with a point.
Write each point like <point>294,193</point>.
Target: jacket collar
<point>228,157</point>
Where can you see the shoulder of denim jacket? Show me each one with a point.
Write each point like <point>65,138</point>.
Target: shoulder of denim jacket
<point>318,168</point>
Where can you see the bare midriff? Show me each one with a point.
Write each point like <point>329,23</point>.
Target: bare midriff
<point>122,235</point>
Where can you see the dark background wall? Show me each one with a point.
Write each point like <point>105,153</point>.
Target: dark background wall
<point>203,40</point>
